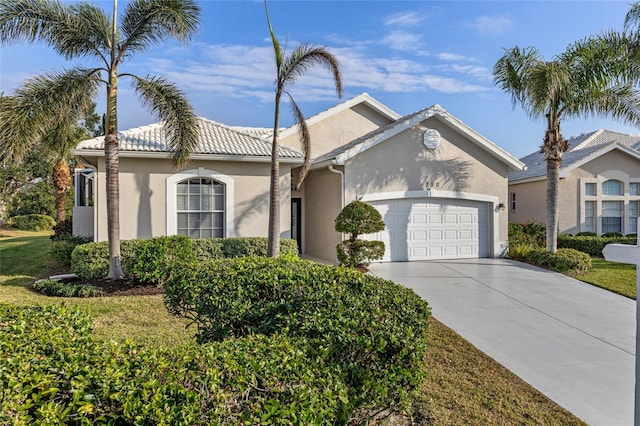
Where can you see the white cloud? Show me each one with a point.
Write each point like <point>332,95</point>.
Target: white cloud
<point>446,56</point>
<point>404,19</point>
<point>482,73</point>
<point>492,25</point>
<point>402,40</point>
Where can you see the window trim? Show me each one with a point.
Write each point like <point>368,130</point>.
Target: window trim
<point>200,172</point>
<point>622,190</point>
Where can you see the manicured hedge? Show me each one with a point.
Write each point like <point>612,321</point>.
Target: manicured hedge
<point>151,259</point>
<point>53,372</point>
<point>564,260</point>
<point>591,245</point>
<point>60,289</point>
<point>32,222</point>
<point>374,331</point>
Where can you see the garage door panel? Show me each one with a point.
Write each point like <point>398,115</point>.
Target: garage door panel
<point>437,229</point>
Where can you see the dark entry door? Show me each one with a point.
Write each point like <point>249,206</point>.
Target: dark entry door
<point>296,221</point>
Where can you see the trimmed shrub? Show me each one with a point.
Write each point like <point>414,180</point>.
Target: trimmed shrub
<point>62,247</point>
<point>152,259</point>
<point>564,260</point>
<point>358,253</point>
<point>586,234</point>
<point>592,246</point>
<point>358,218</point>
<point>32,222</point>
<point>612,235</point>
<point>373,331</point>
<point>59,289</point>
<point>53,372</point>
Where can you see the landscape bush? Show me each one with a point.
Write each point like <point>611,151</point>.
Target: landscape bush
<point>592,245</point>
<point>32,222</point>
<point>564,260</point>
<point>151,260</point>
<point>355,219</point>
<point>54,372</point>
<point>62,247</point>
<point>50,287</point>
<point>62,229</point>
<point>527,233</point>
<point>373,331</point>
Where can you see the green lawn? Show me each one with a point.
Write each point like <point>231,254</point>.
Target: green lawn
<point>463,385</point>
<point>617,277</point>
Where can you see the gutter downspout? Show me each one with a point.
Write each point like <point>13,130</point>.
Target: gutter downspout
<point>342,188</point>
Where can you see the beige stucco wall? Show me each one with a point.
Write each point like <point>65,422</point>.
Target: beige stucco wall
<point>322,204</point>
<point>339,129</point>
<point>403,163</point>
<point>143,196</point>
<point>531,197</point>
<point>530,202</point>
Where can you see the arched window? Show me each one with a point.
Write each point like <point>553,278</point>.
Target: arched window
<point>200,208</point>
<point>612,187</point>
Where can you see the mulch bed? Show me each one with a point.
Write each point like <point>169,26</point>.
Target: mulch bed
<point>127,286</point>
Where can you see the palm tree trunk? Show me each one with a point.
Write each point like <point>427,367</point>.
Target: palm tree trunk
<point>273,246</point>
<point>62,183</point>
<point>112,170</point>
<point>553,206</point>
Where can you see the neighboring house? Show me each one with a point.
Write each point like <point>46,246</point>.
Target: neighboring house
<point>440,186</point>
<point>599,185</point>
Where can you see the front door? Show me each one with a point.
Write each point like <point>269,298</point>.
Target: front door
<point>296,221</point>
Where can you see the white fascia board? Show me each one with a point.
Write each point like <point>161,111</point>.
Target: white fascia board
<point>364,98</point>
<point>529,179</point>
<point>165,155</point>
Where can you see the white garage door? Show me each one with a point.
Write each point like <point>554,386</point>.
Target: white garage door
<point>426,229</point>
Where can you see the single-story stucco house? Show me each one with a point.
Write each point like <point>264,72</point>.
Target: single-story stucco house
<point>441,187</point>
<point>599,185</point>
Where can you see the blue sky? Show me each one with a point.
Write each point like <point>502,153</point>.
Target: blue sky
<point>407,54</point>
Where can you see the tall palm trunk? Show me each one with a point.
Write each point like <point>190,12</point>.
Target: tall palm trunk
<point>273,249</point>
<point>554,146</point>
<point>62,183</point>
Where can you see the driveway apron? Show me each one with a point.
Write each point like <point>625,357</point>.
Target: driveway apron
<point>572,341</point>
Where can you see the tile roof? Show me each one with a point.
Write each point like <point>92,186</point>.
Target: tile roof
<point>580,147</point>
<point>213,138</point>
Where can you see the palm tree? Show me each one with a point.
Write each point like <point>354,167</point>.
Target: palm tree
<point>82,30</point>
<point>589,79</point>
<point>288,69</point>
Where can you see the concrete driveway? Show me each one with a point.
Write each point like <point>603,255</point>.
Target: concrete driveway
<point>572,341</point>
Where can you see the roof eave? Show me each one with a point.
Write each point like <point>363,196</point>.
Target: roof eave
<point>166,155</point>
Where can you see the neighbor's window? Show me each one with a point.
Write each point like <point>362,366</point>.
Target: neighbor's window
<point>612,187</point>
<point>513,201</point>
<point>590,216</point>
<point>200,208</point>
<point>634,188</point>
<point>634,206</point>
<point>590,188</point>
<point>611,216</point>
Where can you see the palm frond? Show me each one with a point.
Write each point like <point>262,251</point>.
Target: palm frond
<point>277,50</point>
<point>633,15</point>
<point>170,104</point>
<point>511,74</point>
<point>72,30</point>
<point>149,21</point>
<point>620,102</point>
<point>43,103</point>
<point>305,57</point>
<point>305,139</point>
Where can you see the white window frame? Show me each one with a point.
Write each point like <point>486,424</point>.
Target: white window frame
<point>90,177</point>
<point>626,198</point>
<point>200,172</point>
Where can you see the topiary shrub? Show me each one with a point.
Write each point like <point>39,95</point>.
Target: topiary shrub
<point>564,260</point>
<point>32,222</point>
<point>59,289</point>
<point>373,331</point>
<point>358,218</point>
<point>53,372</point>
